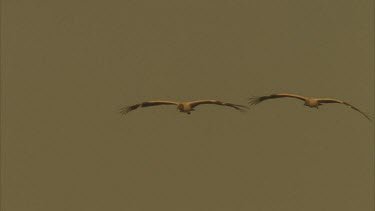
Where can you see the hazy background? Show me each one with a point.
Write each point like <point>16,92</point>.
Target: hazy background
<point>67,67</point>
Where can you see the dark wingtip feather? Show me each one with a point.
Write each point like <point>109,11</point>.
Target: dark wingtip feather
<point>255,100</point>
<point>363,113</point>
<point>127,109</point>
<point>367,116</point>
<point>241,108</point>
<point>370,118</point>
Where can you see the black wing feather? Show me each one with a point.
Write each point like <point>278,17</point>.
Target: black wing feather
<point>256,100</point>
<point>216,102</point>
<point>127,109</point>
<point>328,100</point>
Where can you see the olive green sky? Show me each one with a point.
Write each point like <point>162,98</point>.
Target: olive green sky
<point>67,67</point>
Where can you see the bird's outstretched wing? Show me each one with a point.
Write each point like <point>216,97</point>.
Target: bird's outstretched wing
<point>127,109</point>
<point>256,100</point>
<point>330,100</point>
<point>235,106</point>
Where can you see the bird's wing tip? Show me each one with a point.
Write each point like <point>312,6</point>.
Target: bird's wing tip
<point>125,110</point>
<point>254,100</point>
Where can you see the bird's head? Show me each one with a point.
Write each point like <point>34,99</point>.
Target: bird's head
<point>180,107</point>
<point>306,102</point>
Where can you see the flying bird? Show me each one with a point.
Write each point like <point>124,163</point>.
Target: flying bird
<point>185,107</point>
<point>311,102</point>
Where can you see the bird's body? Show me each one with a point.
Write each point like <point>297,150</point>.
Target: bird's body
<point>311,102</point>
<point>185,107</point>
